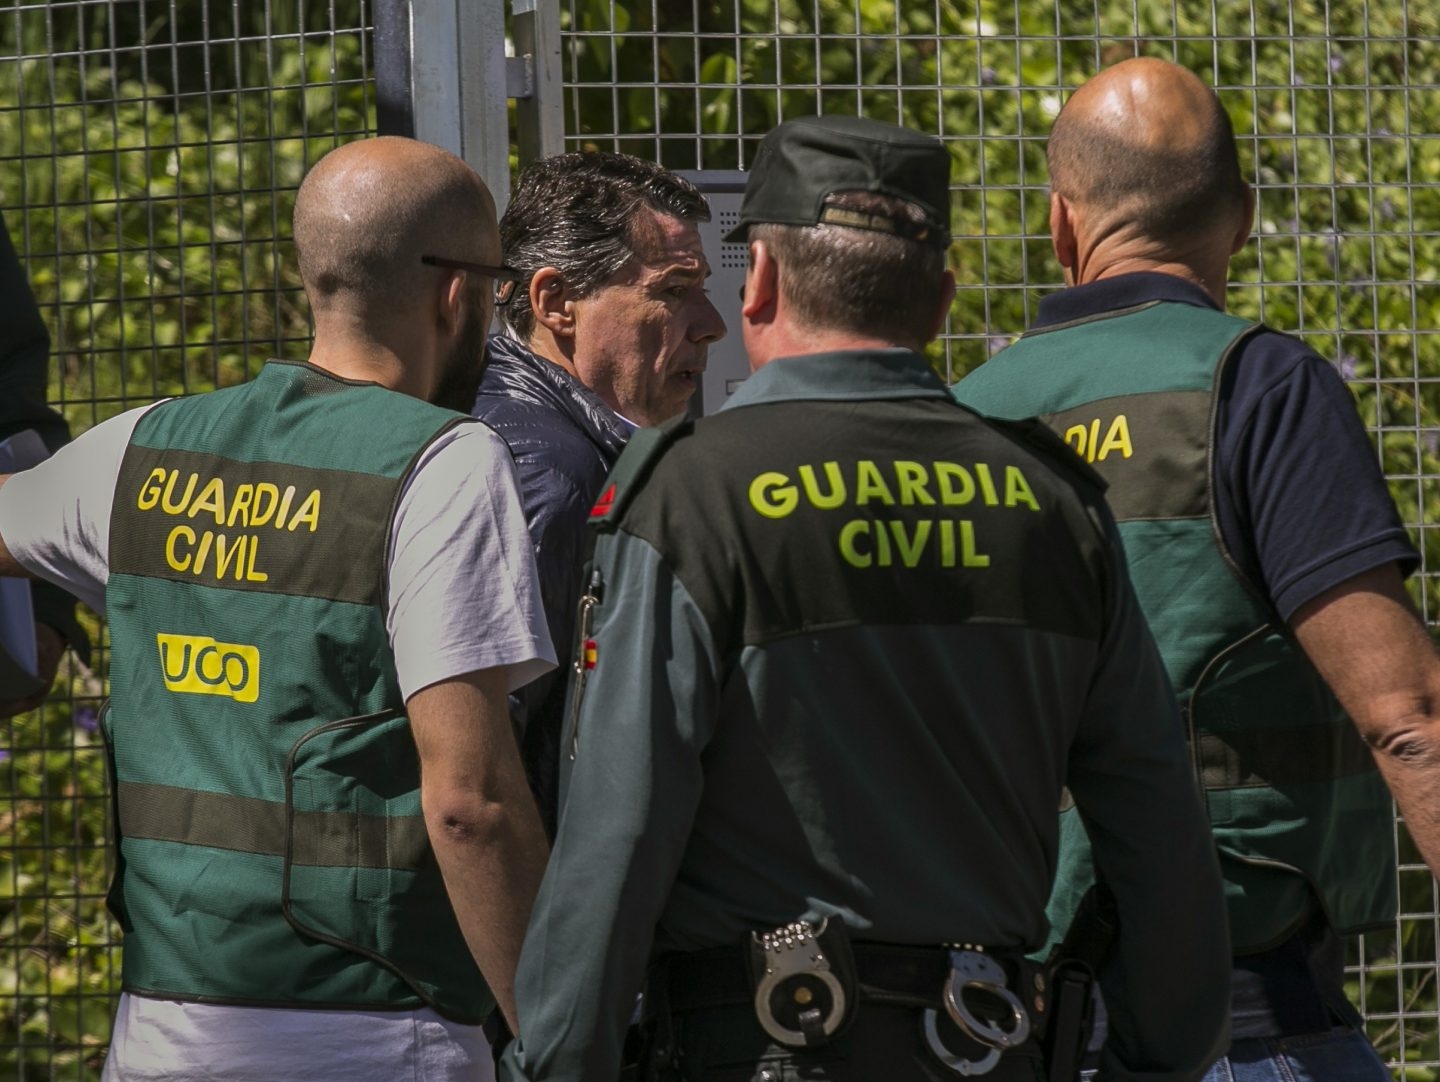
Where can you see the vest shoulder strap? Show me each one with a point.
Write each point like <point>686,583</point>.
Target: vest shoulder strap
<point>633,468</point>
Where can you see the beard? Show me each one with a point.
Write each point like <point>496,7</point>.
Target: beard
<point>465,366</point>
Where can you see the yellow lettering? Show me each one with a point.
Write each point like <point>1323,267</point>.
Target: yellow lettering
<point>1075,436</point>
<point>1017,489</point>
<point>1117,439</point>
<point>240,505</point>
<point>869,485</point>
<point>911,479</point>
<point>882,545</point>
<point>1094,439</point>
<point>947,543</point>
<point>835,497</point>
<point>969,557</point>
<point>167,502</point>
<point>947,475</point>
<point>773,495</point>
<point>987,484</point>
<point>173,560</point>
<point>212,498</point>
<point>206,540</point>
<point>853,556</point>
<point>263,510</point>
<point>284,507</point>
<point>228,551</point>
<point>252,575</point>
<point>150,489</point>
<point>309,512</point>
<point>911,547</point>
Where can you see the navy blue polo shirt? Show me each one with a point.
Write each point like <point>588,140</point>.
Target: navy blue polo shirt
<point>1303,506</point>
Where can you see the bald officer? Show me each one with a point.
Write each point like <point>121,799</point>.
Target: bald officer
<point>319,590</point>
<point>1265,550</point>
<point>843,644</point>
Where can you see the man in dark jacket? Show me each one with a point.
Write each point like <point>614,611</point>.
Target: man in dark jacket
<point>607,331</point>
<point>24,354</point>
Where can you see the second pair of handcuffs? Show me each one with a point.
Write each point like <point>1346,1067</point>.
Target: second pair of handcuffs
<point>977,974</point>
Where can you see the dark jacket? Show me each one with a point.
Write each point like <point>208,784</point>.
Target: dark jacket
<point>564,440</point>
<point>24,362</point>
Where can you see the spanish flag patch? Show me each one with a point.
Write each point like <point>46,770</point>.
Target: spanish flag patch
<point>589,653</point>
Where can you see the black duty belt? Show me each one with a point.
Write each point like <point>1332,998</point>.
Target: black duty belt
<point>887,973</point>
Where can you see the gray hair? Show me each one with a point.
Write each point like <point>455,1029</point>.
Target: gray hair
<point>578,213</point>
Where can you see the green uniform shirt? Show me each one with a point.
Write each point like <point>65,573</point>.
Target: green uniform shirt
<point>851,641</point>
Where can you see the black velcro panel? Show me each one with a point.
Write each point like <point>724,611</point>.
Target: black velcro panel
<point>261,527</point>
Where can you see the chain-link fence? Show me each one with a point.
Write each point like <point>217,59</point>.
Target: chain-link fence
<point>150,149</point>
<point>149,155</point>
<point>1337,106</point>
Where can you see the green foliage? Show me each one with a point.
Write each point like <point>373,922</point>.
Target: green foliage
<point>150,187</point>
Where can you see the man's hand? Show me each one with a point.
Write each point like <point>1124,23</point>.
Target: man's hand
<point>49,649</point>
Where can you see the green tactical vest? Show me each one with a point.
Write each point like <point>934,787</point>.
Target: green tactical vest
<point>1298,808</point>
<point>271,846</point>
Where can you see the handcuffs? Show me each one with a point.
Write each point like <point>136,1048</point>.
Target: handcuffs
<point>800,976</point>
<point>972,969</point>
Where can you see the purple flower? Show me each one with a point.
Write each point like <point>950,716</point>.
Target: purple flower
<point>989,76</point>
<point>1347,364</point>
<point>4,755</point>
<point>1431,440</point>
<point>1336,62</point>
<point>87,719</point>
<point>996,342</point>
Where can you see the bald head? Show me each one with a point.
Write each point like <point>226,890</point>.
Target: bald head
<point>1146,147</point>
<point>369,210</point>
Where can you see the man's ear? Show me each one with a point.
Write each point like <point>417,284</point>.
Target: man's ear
<point>450,309</point>
<point>947,297</point>
<point>551,302</point>
<point>1247,222</point>
<point>1063,230</point>
<point>762,284</point>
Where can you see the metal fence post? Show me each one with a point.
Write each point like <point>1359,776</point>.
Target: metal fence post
<point>458,84</point>
<point>539,109</point>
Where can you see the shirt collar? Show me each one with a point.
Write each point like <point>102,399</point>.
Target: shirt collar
<point>1122,291</point>
<point>842,374</point>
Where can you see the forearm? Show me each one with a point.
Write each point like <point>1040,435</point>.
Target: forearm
<point>1408,755</point>
<point>492,853</point>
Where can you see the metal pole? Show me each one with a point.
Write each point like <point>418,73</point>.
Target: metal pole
<point>458,84</point>
<point>539,109</point>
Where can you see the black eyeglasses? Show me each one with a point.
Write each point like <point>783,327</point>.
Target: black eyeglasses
<point>506,278</point>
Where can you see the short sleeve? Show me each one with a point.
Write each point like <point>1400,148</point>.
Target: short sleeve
<point>463,593</point>
<point>55,517</point>
<point>1302,501</point>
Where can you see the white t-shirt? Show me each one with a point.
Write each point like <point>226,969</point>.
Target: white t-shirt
<point>463,596</point>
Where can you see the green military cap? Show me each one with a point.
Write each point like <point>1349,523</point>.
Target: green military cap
<point>803,162</point>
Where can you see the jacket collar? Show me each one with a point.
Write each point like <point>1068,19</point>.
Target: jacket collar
<point>516,373</point>
<point>1122,291</point>
<point>843,374</point>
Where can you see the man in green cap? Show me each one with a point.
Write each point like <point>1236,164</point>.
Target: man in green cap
<point>842,646</point>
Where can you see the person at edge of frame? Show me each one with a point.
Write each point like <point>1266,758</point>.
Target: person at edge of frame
<point>607,330</point>
<point>319,590</point>
<point>1265,549</point>
<point>842,644</point>
<point>24,356</point>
